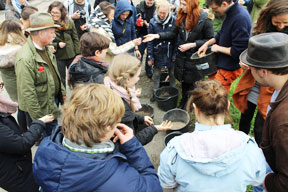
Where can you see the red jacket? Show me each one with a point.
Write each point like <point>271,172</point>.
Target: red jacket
<point>240,95</point>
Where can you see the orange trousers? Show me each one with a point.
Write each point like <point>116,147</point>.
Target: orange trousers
<point>225,77</point>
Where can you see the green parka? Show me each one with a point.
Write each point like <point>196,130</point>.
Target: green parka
<point>257,6</point>
<point>69,37</point>
<point>35,86</point>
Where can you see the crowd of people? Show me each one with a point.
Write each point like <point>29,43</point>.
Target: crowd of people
<point>97,52</point>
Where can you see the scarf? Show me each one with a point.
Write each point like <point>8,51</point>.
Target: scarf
<point>99,20</point>
<point>164,21</point>
<point>122,92</point>
<point>64,24</point>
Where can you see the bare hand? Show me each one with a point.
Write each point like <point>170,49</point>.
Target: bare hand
<point>244,66</point>
<point>150,62</point>
<point>241,2</point>
<point>164,126</point>
<point>137,41</point>
<point>146,23</point>
<point>215,48</point>
<point>123,133</point>
<point>84,27</point>
<point>138,54</point>
<point>138,92</point>
<point>150,37</point>
<point>51,47</point>
<point>148,120</point>
<point>62,44</point>
<point>186,46</point>
<point>202,50</point>
<point>76,15</point>
<point>47,118</point>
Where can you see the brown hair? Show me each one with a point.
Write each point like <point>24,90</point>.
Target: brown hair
<point>217,2</point>
<point>90,110</point>
<point>191,17</point>
<point>27,11</point>
<point>11,28</point>
<point>62,8</point>
<point>92,41</point>
<point>106,7</point>
<point>210,97</point>
<point>272,8</point>
<point>123,67</point>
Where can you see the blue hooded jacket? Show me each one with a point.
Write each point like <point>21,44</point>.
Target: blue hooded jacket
<point>123,36</point>
<point>56,168</point>
<point>212,159</point>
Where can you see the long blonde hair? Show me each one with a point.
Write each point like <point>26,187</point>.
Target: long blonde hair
<point>11,32</point>
<point>124,67</point>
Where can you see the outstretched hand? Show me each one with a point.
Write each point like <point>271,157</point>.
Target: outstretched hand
<point>150,37</point>
<point>164,126</point>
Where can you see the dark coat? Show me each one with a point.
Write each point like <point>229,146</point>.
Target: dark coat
<point>133,120</point>
<point>234,33</point>
<point>162,52</point>
<point>87,71</point>
<point>124,31</point>
<point>56,168</point>
<point>275,142</point>
<point>15,154</point>
<point>185,69</point>
<point>146,13</point>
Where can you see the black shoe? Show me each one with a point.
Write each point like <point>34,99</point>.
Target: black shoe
<point>149,74</point>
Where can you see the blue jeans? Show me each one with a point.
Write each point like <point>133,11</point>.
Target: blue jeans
<point>260,187</point>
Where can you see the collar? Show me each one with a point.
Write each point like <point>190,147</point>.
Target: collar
<point>282,95</point>
<point>201,127</point>
<point>232,8</point>
<point>103,147</point>
<point>37,46</point>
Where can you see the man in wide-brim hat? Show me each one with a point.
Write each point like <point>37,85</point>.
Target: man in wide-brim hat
<point>38,81</point>
<point>267,57</point>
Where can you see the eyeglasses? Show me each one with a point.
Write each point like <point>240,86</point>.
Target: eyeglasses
<point>1,85</point>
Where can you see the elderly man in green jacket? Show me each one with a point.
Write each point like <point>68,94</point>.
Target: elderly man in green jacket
<point>38,81</point>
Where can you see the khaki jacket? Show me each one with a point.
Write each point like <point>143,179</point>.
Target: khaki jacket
<point>36,87</point>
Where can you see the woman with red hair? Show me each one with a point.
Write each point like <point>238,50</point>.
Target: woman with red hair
<point>194,29</point>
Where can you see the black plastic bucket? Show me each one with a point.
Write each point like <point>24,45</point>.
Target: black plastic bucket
<point>206,64</point>
<point>177,115</point>
<point>167,97</point>
<point>170,136</point>
<point>146,110</point>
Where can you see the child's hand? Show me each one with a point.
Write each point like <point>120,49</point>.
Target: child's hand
<point>138,92</point>
<point>164,126</point>
<point>123,133</point>
<point>148,120</point>
<point>47,118</point>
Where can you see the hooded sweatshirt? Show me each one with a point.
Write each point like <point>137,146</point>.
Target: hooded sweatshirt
<point>212,158</point>
<point>124,31</point>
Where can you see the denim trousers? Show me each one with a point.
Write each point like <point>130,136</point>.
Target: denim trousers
<point>157,75</point>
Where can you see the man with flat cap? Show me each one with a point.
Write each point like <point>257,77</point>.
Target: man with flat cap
<point>267,57</point>
<point>38,81</point>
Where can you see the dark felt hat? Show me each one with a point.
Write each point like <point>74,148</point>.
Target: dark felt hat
<point>267,50</point>
<point>40,21</point>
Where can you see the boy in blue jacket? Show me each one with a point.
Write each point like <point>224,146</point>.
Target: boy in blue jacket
<point>162,54</point>
<point>81,156</point>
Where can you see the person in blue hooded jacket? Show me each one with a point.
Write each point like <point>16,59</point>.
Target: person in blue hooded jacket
<point>123,25</point>
<point>214,157</point>
<point>82,157</point>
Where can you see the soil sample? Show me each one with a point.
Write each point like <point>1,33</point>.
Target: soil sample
<point>177,125</point>
<point>164,94</point>
<point>144,113</point>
